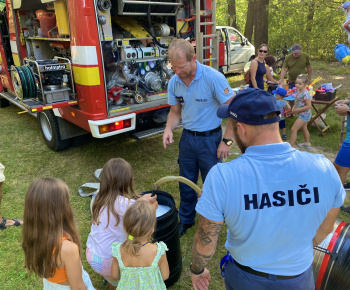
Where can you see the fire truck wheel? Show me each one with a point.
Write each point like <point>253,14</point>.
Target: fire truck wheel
<point>4,103</point>
<point>50,131</point>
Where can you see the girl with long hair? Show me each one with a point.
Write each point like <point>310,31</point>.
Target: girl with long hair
<point>116,194</point>
<point>50,238</point>
<point>138,263</point>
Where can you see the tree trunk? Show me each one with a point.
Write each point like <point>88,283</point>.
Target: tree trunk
<point>261,26</point>
<point>231,10</point>
<point>249,25</point>
<point>310,15</point>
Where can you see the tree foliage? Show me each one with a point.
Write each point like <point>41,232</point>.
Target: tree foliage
<point>315,24</point>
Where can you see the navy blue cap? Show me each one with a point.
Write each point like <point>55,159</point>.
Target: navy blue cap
<point>250,106</point>
<point>346,4</point>
<point>280,91</point>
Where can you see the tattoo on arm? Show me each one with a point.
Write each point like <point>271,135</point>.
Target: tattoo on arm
<point>208,230</point>
<point>204,243</point>
<point>199,261</point>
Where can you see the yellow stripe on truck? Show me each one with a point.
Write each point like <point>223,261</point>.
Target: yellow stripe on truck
<point>16,59</point>
<point>86,76</point>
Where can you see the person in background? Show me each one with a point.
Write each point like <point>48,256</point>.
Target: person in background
<point>138,263</point>
<point>302,107</point>
<point>4,222</point>
<point>194,94</point>
<point>297,63</point>
<point>51,241</point>
<point>342,161</point>
<point>346,9</point>
<point>258,69</point>
<point>280,93</point>
<point>270,61</point>
<point>277,205</point>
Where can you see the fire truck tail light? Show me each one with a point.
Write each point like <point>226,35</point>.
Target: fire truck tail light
<point>112,126</point>
<point>119,125</point>
<point>115,126</point>
<point>127,123</point>
<point>103,129</point>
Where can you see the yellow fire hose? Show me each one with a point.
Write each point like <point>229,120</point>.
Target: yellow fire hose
<point>175,178</point>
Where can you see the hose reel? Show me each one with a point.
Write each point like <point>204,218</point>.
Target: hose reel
<point>23,80</point>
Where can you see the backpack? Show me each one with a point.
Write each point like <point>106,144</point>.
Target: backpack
<point>247,77</point>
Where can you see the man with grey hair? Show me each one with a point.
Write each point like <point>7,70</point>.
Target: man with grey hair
<point>194,93</point>
<point>297,63</point>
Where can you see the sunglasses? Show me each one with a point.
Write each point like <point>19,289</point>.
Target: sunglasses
<point>264,51</point>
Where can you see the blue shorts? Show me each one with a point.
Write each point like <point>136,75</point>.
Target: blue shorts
<point>237,279</point>
<point>282,124</point>
<point>305,118</point>
<point>343,157</point>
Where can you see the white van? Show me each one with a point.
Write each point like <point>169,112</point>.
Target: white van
<point>238,50</point>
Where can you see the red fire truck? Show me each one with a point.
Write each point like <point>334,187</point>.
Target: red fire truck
<point>97,66</point>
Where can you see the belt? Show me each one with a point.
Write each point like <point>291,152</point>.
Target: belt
<point>262,274</point>
<point>204,133</point>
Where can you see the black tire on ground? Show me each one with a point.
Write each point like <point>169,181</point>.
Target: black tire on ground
<point>278,66</point>
<point>50,131</point>
<point>4,103</point>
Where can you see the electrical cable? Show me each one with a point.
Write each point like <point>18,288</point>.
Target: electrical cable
<point>151,29</point>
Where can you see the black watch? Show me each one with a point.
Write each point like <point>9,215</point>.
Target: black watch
<point>196,273</point>
<point>348,112</point>
<point>228,142</point>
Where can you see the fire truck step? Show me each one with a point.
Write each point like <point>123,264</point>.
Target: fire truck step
<point>13,99</point>
<point>149,133</point>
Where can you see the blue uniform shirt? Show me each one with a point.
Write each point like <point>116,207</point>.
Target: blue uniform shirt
<point>273,198</point>
<point>201,99</point>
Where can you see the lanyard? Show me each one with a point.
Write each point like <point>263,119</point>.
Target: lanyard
<point>223,263</point>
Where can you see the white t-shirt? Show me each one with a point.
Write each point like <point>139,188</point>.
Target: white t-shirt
<point>102,237</point>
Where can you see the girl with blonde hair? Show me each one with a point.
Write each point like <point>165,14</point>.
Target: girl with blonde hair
<point>138,263</point>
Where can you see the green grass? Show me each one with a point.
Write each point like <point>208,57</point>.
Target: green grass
<point>26,157</point>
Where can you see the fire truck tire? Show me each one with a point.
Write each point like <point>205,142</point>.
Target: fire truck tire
<point>50,131</point>
<point>4,103</point>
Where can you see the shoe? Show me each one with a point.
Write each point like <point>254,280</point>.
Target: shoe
<point>183,228</point>
<point>284,137</point>
<point>345,208</point>
<point>4,226</point>
<point>305,146</point>
<point>347,186</point>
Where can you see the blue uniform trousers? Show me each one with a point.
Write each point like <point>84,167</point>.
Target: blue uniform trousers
<point>195,153</point>
<point>238,279</point>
